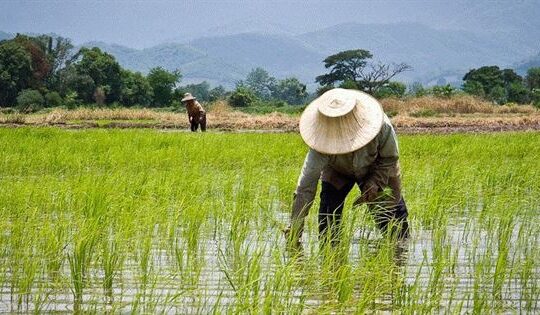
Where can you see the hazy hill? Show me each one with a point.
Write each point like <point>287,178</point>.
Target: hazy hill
<point>195,65</point>
<point>522,67</point>
<point>519,18</point>
<point>226,59</point>
<point>429,51</point>
<point>282,55</point>
<point>4,35</point>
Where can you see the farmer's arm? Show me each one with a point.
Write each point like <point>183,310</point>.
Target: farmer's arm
<point>306,189</point>
<point>199,107</point>
<point>386,165</point>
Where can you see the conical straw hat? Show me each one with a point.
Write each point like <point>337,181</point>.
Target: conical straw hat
<point>341,121</point>
<point>188,97</point>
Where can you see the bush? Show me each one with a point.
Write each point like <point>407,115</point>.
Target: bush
<point>443,91</point>
<point>53,99</point>
<point>535,97</point>
<point>72,100</point>
<point>428,112</point>
<point>242,97</point>
<point>30,101</point>
<point>417,89</point>
<point>498,95</point>
<point>350,85</point>
<point>392,89</point>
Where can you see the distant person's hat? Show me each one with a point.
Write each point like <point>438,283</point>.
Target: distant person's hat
<point>188,97</point>
<point>341,121</point>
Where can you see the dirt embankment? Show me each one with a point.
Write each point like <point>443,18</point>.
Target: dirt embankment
<point>416,115</point>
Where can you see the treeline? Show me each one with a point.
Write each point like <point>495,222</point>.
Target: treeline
<point>45,71</point>
<point>353,69</point>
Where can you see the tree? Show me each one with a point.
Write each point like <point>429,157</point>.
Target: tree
<point>499,86</point>
<point>497,95</point>
<point>474,88</point>
<point>53,99</point>
<point>261,83</point>
<point>200,90</point>
<point>70,80</point>
<point>136,89</point>
<point>517,93</point>
<point>487,77</point>
<point>59,51</point>
<point>392,89</point>
<point>443,91</point>
<point>345,65</point>
<point>41,65</point>
<point>44,61</point>
<point>15,71</point>
<point>242,97</point>
<point>352,66</point>
<point>103,69</point>
<point>535,97</point>
<point>291,90</point>
<point>217,93</point>
<point>30,100</point>
<point>417,89</point>
<point>100,95</point>
<point>532,78</point>
<point>163,82</point>
<point>380,74</point>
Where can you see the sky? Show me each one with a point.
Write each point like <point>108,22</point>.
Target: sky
<point>141,24</point>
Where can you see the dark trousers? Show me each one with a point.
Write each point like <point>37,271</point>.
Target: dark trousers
<point>389,216</point>
<point>196,121</point>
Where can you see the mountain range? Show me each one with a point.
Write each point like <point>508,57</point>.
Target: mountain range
<point>436,55</point>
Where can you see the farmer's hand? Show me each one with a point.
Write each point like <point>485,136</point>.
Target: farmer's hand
<point>294,246</point>
<point>370,192</point>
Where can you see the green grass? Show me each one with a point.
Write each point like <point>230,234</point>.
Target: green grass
<point>148,221</point>
<point>109,122</point>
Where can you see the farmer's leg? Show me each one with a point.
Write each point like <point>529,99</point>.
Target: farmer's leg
<point>203,122</point>
<point>193,125</point>
<point>330,210</point>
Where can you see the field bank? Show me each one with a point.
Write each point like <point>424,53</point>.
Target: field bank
<point>151,221</point>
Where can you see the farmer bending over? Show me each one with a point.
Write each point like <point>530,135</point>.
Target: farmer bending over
<point>196,113</point>
<point>351,142</point>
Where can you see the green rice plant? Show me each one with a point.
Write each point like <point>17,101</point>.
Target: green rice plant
<point>80,259</point>
<point>145,221</point>
<point>112,260</point>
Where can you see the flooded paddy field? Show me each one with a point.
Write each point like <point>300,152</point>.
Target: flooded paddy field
<point>143,221</point>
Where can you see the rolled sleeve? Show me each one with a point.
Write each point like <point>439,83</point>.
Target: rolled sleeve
<point>307,187</point>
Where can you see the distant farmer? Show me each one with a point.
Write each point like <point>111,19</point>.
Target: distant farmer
<point>195,111</point>
<point>351,142</point>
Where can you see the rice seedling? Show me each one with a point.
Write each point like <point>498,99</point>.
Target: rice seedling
<point>145,221</point>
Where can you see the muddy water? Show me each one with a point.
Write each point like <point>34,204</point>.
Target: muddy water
<point>460,283</point>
